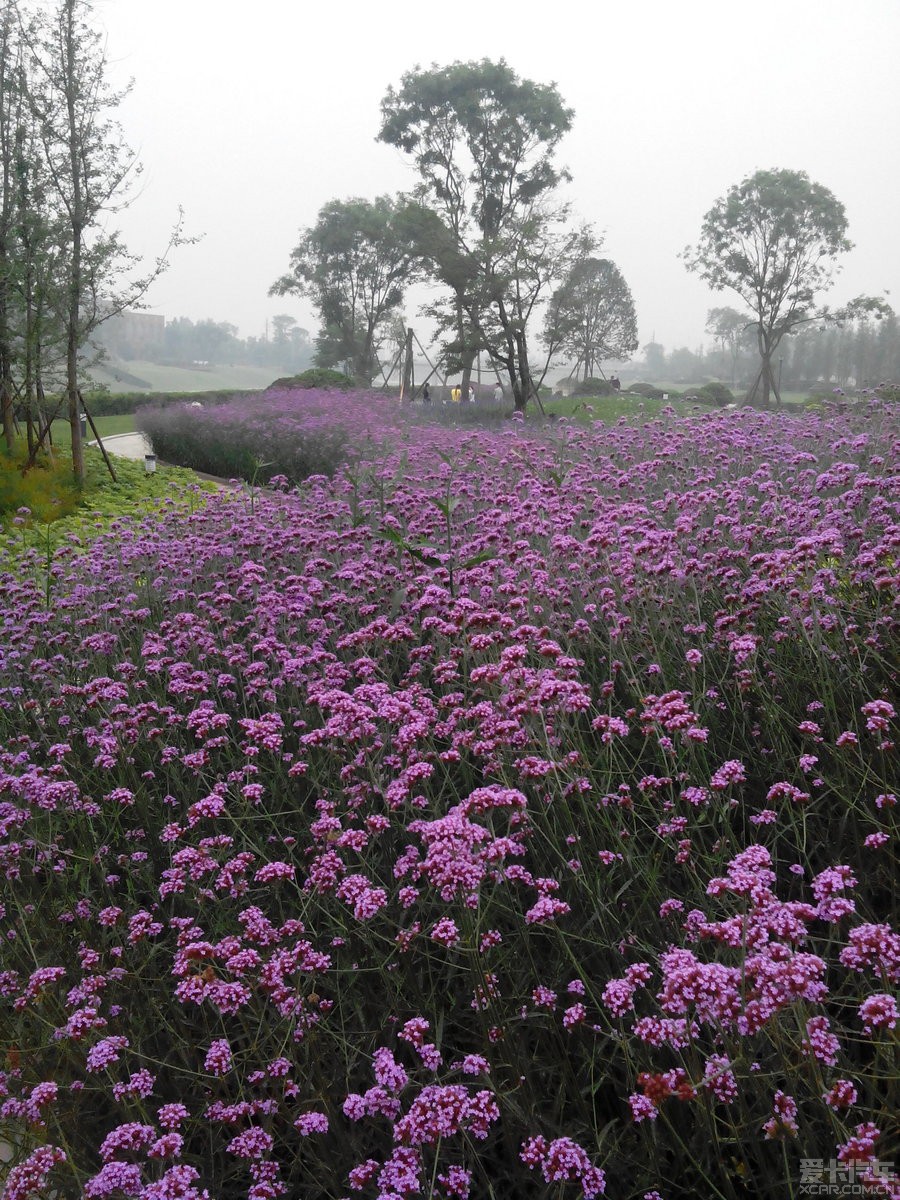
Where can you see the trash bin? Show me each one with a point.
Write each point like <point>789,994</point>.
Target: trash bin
<point>149,463</point>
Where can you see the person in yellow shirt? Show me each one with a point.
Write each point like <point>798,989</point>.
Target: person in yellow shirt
<point>455,394</point>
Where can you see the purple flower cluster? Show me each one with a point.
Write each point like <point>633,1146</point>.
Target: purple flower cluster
<point>492,813</point>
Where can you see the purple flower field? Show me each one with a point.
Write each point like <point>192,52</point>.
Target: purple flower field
<point>504,815</point>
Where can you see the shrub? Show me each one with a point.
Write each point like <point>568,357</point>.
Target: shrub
<point>291,434</point>
<point>652,392</point>
<point>46,489</point>
<point>316,378</point>
<point>594,387</point>
<point>715,393</point>
<point>108,404</point>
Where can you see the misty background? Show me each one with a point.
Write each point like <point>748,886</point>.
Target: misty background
<point>253,117</point>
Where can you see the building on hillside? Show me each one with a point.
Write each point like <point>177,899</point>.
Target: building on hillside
<point>135,335</point>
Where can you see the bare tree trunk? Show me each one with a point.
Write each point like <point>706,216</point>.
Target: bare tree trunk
<point>468,357</point>
<point>6,219</point>
<point>406,382</point>
<point>70,83</point>
<point>526,383</point>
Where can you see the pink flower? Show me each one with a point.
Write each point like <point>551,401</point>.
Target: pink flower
<point>388,1072</point>
<point>879,1012</point>
<point>105,1052</point>
<point>548,908</point>
<point>29,1178</point>
<point>642,1108</point>
<point>574,1015</point>
<point>445,932</point>
<point>218,1057</point>
<point>563,1161</point>
<point>253,1143</point>
<point>820,1041</point>
<point>311,1122</point>
<point>842,1094</point>
<point>861,1147</point>
<point>730,773</point>
<point>783,1122</point>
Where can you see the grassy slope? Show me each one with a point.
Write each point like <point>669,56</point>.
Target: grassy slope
<point>187,379</point>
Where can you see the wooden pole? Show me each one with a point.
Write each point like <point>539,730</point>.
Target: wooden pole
<point>434,370</point>
<point>109,465</point>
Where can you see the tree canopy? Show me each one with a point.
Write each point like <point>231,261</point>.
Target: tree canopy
<point>773,239</point>
<point>591,316</point>
<point>483,142</point>
<point>354,265</point>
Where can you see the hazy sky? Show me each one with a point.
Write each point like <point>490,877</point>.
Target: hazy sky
<point>251,116</point>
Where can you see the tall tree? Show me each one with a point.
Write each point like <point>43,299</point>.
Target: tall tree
<point>773,239</point>
<point>84,169</point>
<point>483,142</point>
<point>655,360</point>
<point>730,329</point>
<point>354,265</point>
<point>11,102</point>
<point>591,316</point>
<point>88,167</point>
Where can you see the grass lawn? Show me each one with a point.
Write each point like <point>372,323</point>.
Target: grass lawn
<point>107,426</point>
<point>160,378</point>
<point>635,407</point>
<point>611,408</point>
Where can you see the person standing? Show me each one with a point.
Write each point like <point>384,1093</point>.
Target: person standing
<point>471,394</point>
<point>426,394</point>
<point>498,393</point>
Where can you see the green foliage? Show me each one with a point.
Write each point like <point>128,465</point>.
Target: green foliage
<point>353,264</point>
<point>595,387</point>
<point>134,493</point>
<point>46,489</point>
<point>315,377</point>
<point>104,404</point>
<point>716,393</point>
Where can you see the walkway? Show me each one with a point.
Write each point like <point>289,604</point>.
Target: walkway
<point>127,445</point>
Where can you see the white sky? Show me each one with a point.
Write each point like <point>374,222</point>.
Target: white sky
<point>253,115</point>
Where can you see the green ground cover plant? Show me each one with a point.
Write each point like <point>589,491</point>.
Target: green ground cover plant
<point>30,520</point>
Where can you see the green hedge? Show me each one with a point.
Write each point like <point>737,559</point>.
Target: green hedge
<point>108,404</point>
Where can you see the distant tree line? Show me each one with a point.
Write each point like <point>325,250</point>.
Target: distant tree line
<point>181,341</point>
<point>852,353</point>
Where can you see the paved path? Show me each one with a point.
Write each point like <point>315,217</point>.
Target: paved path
<point>127,445</point>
